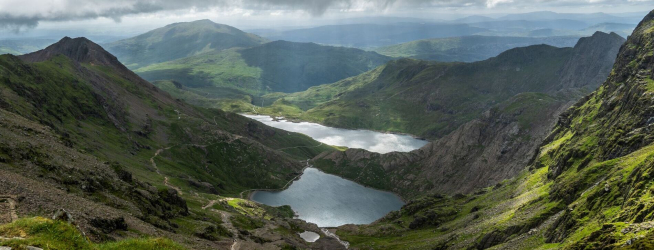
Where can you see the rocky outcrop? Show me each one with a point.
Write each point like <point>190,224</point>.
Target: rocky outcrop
<point>591,62</point>
<point>79,49</point>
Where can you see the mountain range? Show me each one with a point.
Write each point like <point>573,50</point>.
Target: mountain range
<point>431,99</point>
<point>587,187</point>
<point>468,48</point>
<point>538,147</point>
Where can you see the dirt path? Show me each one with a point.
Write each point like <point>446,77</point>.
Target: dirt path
<point>211,203</point>
<point>166,182</point>
<point>227,223</point>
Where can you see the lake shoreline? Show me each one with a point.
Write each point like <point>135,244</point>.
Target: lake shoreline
<point>294,120</point>
<point>329,200</point>
<point>252,191</point>
<point>370,140</point>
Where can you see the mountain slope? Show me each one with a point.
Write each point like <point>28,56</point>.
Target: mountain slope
<point>430,99</point>
<point>588,188</point>
<point>180,40</point>
<point>468,48</point>
<point>278,66</point>
<point>77,121</point>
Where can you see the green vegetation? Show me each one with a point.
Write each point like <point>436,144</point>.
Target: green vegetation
<point>101,137</point>
<point>179,40</point>
<point>49,234</point>
<point>590,186</point>
<point>430,99</point>
<point>273,67</point>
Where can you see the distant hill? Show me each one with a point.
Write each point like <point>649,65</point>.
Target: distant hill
<point>179,40</point>
<point>508,25</point>
<point>591,18</point>
<point>468,48</point>
<point>272,67</point>
<point>374,35</point>
<point>22,46</point>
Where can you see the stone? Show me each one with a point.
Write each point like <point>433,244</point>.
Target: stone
<point>63,215</point>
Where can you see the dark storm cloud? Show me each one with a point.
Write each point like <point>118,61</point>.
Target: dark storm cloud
<point>16,23</point>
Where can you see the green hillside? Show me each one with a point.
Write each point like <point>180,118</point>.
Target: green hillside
<point>273,67</point>
<point>468,48</point>
<point>179,40</point>
<point>431,99</point>
<point>80,130</point>
<point>588,188</point>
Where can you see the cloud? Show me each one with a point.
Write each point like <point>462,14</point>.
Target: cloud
<point>20,14</point>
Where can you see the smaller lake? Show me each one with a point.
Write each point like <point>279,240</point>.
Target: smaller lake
<point>364,139</point>
<point>330,201</point>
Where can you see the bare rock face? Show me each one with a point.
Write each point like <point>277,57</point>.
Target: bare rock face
<point>78,49</point>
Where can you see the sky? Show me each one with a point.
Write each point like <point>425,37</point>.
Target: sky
<point>128,17</point>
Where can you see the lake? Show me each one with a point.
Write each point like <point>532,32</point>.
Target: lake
<point>330,201</point>
<point>364,139</point>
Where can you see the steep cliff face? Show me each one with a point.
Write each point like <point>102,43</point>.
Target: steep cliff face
<point>496,146</point>
<point>592,59</point>
<point>589,186</point>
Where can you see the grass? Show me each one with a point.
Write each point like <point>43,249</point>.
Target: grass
<point>395,97</point>
<point>53,235</point>
<point>286,67</point>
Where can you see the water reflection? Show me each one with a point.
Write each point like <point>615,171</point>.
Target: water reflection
<point>331,201</point>
<point>364,139</point>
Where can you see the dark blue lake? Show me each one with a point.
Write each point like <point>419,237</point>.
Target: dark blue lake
<point>331,201</point>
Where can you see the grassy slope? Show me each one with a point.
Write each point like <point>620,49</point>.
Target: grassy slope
<point>180,40</point>
<point>589,187</point>
<point>273,67</point>
<point>38,231</point>
<point>65,103</point>
<point>527,110</point>
<point>386,98</point>
<point>96,110</point>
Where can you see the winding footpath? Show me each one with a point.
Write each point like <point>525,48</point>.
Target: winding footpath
<point>227,222</point>
<point>166,182</point>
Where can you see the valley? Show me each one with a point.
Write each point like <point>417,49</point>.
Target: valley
<point>500,131</point>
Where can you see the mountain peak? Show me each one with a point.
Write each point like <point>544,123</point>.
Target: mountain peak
<point>81,50</point>
<point>600,38</point>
